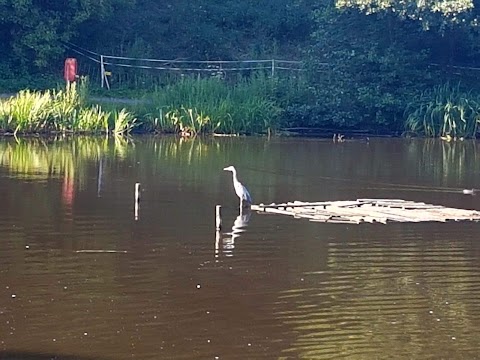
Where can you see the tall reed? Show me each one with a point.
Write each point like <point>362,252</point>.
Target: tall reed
<point>64,105</point>
<point>123,122</point>
<point>444,111</point>
<point>61,110</point>
<point>203,105</point>
<point>93,118</point>
<point>28,111</point>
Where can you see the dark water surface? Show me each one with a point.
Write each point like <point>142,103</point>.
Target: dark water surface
<point>80,278</point>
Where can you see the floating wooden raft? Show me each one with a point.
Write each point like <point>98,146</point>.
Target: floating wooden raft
<point>369,210</point>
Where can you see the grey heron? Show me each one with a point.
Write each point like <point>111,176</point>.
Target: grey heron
<point>240,190</point>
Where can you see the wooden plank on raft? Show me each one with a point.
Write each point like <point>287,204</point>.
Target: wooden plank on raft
<point>310,213</point>
<point>294,204</point>
<point>369,210</point>
<point>404,214</point>
<point>366,212</point>
<point>397,203</point>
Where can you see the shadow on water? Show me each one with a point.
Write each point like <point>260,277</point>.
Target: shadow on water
<point>226,244</point>
<point>12,355</point>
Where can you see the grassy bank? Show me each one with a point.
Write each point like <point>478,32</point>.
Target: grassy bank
<point>191,106</point>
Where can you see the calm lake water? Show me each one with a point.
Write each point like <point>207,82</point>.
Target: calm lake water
<point>81,278</point>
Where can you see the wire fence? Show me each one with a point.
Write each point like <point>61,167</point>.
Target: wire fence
<point>110,70</point>
<point>130,72</point>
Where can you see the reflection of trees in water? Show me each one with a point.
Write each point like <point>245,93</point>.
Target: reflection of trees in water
<point>71,160</point>
<point>226,244</point>
<point>446,163</point>
<point>81,163</point>
<point>40,159</point>
<point>181,160</point>
<point>67,158</point>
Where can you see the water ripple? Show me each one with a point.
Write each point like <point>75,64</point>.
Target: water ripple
<point>374,295</point>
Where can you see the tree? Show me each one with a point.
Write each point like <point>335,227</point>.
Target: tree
<point>438,14</point>
<point>203,29</point>
<point>32,31</point>
<point>374,65</point>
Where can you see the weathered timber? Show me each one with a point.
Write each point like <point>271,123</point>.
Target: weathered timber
<point>369,210</point>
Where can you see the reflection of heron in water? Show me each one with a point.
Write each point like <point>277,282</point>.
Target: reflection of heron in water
<point>239,226</point>
<point>240,190</point>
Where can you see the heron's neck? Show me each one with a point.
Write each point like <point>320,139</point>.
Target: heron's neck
<point>234,174</point>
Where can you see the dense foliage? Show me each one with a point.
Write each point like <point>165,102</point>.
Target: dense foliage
<point>203,29</point>
<point>369,77</point>
<point>430,13</point>
<point>367,61</point>
<point>378,65</point>
<point>32,30</point>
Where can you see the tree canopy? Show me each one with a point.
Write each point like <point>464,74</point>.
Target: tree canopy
<point>32,30</point>
<point>430,13</point>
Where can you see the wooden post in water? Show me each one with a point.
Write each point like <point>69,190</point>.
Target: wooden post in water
<point>218,237</point>
<point>137,199</point>
<point>218,227</point>
<point>218,217</point>
<point>100,177</point>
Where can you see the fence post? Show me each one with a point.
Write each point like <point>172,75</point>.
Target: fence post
<point>273,68</point>
<point>102,71</point>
